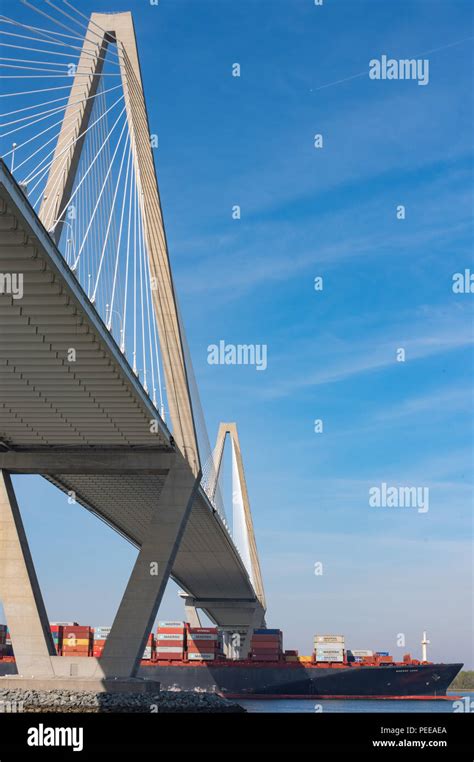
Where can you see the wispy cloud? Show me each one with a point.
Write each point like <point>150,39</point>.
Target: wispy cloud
<point>423,337</point>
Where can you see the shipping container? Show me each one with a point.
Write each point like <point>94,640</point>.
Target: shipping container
<point>66,624</point>
<point>267,649</point>
<point>201,656</point>
<point>266,657</point>
<point>168,649</point>
<point>203,645</point>
<point>329,639</point>
<point>174,636</point>
<point>337,658</point>
<point>206,636</point>
<point>171,624</point>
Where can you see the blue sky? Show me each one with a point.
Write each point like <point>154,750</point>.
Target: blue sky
<point>310,212</point>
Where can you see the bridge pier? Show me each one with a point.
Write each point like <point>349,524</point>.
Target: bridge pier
<point>137,611</point>
<point>237,617</point>
<point>35,654</point>
<point>20,591</point>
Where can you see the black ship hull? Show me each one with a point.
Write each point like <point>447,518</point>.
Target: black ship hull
<point>300,680</point>
<point>304,681</point>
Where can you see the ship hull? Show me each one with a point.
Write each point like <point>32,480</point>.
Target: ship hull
<point>300,681</point>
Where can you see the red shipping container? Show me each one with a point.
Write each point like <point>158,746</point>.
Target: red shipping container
<point>265,657</point>
<point>202,630</point>
<point>178,656</point>
<point>172,630</point>
<point>202,645</point>
<point>266,648</point>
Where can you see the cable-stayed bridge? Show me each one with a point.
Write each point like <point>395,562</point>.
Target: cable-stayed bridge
<point>97,390</point>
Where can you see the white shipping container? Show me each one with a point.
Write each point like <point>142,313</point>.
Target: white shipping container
<point>329,639</point>
<point>147,653</point>
<point>201,657</point>
<point>329,647</point>
<point>326,658</point>
<point>361,652</point>
<point>170,636</point>
<point>168,649</point>
<point>170,624</point>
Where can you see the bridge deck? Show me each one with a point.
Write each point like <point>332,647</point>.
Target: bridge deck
<point>95,400</point>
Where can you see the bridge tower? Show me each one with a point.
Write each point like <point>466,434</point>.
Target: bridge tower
<point>76,441</point>
<point>104,30</point>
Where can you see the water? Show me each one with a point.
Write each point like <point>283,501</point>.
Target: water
<point>339,706</point>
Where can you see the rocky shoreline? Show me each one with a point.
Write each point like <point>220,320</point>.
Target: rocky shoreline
<point>165,702</point>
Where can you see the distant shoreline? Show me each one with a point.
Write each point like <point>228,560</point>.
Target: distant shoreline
<point>463,681</point>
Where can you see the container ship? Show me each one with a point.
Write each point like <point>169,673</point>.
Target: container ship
<point>189,658</point>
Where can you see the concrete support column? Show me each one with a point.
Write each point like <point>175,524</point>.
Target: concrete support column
<point>191,613</point>
<point>257,621</point>
<point>20,592</point>
<point>139,606</point>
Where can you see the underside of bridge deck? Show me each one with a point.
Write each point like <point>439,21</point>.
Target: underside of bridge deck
<point>72,410</point>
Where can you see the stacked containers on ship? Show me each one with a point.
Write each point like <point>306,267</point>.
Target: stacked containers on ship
<point>77,640</point>
<point>329,648</point>
<point>267,645</point>
<point>57,633</point>
<point>101,634</point>
<point>358,655</point>
<point>170,641</point>
<point>201,643</point>
<point>383,657</point>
